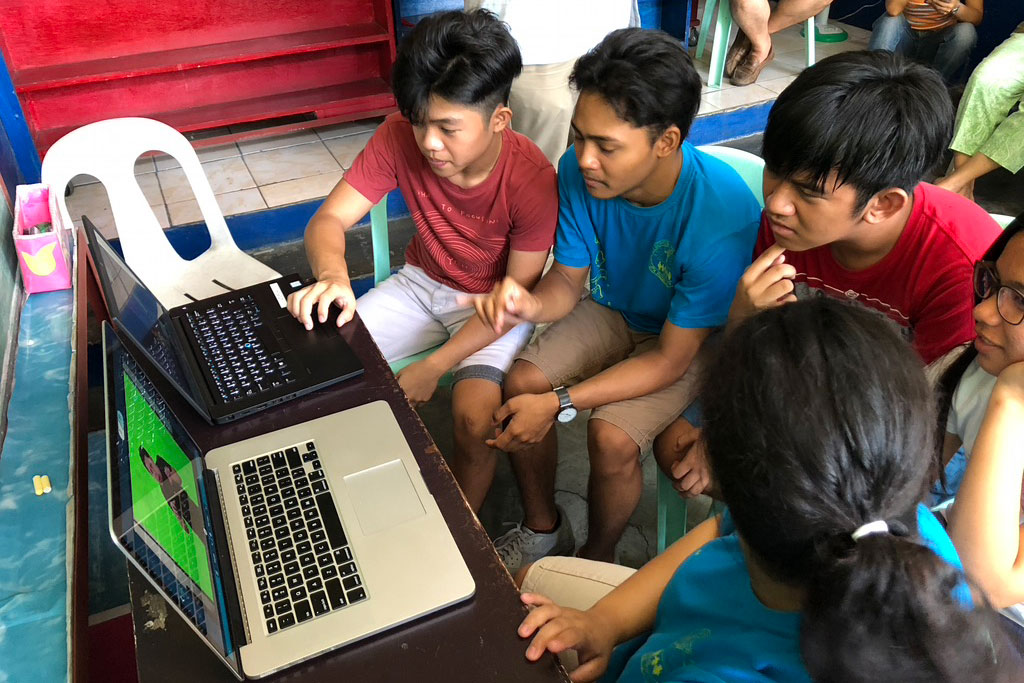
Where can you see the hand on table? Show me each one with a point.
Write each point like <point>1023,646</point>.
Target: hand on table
<point>507,304</point>
<point>419,380</point>
<point>767,283</point>
<point>320,295</point>
<point>555,629</point>
<point>531,417</point>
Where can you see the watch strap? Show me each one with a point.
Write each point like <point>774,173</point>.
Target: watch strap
<point>563,398</point>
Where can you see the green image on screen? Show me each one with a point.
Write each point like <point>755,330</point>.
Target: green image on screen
<point>164,491</point>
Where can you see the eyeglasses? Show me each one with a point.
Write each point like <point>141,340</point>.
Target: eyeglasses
<point>1009,301</point>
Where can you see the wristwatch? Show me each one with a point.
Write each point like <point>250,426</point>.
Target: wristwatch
<point>566,410</point>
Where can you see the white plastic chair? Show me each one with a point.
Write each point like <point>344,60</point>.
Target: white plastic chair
<point>108,151</point>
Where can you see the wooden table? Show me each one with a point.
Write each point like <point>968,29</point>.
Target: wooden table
<point>475,641</point>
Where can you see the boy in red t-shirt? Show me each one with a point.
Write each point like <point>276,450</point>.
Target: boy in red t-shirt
<point>846,215</point>
<point>484,201</point>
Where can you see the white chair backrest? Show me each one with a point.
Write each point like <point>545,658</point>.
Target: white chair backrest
<point>749,166</point>
<point>108,150</point>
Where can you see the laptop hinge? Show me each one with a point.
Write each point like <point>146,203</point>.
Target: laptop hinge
<point>238,620</point>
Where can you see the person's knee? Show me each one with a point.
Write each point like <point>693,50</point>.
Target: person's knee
<point>612,450</point>
<point>474,422</point>
<point>525,378</point>
<point>965,36</point>
<point>886,32</point>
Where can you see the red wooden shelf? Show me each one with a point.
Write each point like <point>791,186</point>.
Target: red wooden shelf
<point>369,97</point>
<point>195,64</point>
<point>182,59</point>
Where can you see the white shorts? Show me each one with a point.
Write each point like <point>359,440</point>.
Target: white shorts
<point>411,312</point>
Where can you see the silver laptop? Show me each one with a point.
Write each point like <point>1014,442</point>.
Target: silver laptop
<point>284,546</point>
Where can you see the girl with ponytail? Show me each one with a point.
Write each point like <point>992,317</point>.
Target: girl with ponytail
<point>819,428</point>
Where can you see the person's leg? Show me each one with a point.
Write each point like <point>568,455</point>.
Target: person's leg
<point>473,462</point>
<point>542,103</point>
<point>475,398</point>
<point>534,466</point>
<point>954,49</point>
<point>892,34</point>
<point>751,16</point>
<point>591,338</point>
<point>791,12</point>
<point>618,433</point>
<point>398,316</point>
<point>572,582</point>
<point>613,489</point>
<point>982,125</point>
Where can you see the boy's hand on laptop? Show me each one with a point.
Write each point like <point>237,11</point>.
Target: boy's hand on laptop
<point>767,283</point>
<point>317,298</point>
<point>529,416</point>
<point>419,380</point>
<point>555,629</point>
<point>507,304</point>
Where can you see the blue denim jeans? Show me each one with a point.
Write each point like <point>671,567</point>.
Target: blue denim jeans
<point>946,50</point>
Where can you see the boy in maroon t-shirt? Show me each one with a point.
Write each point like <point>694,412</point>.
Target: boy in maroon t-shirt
<point>484,201</point>
<point>846,215</point>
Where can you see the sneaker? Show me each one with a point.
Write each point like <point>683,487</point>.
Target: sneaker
<point>520,546</point>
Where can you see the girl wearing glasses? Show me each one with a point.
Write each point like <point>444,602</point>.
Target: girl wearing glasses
<point>986,417</point>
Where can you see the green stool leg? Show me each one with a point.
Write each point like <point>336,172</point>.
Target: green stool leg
<point>671,513</point>
<point>380,241</point>
<point>705,27</point>
<point>720,44</point>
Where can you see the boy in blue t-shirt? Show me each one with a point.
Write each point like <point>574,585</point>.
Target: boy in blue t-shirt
<point>665,232</point>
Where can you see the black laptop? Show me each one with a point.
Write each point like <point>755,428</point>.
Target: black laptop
<point>230,355</point>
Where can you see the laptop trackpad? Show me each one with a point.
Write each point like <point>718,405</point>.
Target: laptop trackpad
<point>383,497</point>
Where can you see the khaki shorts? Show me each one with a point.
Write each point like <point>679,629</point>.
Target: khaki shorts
<point>593,338</point>
<point>573,582</point>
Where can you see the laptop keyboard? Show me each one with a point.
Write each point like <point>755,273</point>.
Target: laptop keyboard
<point>242,361</point>
<point>300,555</point>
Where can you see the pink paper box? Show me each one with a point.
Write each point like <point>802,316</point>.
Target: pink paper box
<point>43,257</point>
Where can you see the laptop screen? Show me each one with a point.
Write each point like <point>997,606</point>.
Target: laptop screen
<point>139,314</point>
<point>158,505</point>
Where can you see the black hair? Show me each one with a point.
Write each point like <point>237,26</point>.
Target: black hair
<point>646,76</point>
<point>467,58</point>
<point>817,420</point>
<point>952,375</point>
<point>876,119</point>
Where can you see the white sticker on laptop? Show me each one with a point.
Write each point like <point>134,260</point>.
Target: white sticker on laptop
<point>276,289</point>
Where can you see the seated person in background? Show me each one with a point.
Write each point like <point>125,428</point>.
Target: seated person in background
<point>665,231</point>
<point>846,215</point>
<point>939,33</point>
<point>484,201</point>
<point>834,570</point>
<point>757,22</point>
<point>986,416</point>
<point>987,134</point>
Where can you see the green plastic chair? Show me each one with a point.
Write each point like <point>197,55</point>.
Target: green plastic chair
<point>720,41</point>
<point>381,245</point>
<point>671,506</point>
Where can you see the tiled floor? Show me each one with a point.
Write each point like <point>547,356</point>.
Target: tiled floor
<point>245,176</point>
<point>286,169</point>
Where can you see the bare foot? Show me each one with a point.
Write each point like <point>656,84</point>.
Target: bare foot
<point>952,184</point>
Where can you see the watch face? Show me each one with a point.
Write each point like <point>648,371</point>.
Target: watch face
<point>567,414</point>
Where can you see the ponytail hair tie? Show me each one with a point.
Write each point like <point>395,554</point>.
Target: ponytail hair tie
<point>879,526</point>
